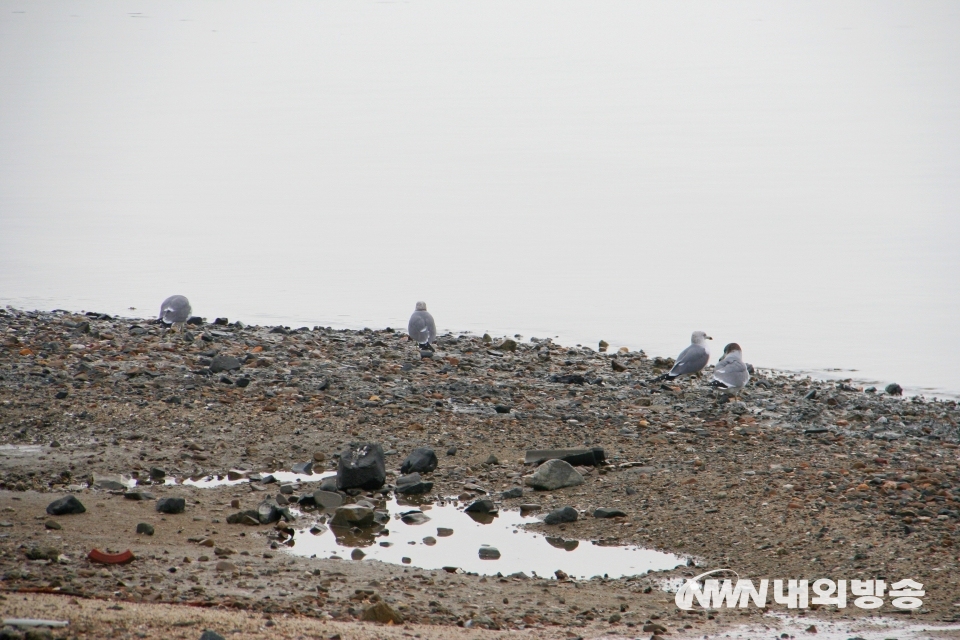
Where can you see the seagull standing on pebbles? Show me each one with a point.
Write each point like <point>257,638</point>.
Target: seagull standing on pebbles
<point>731,373</point>
<point>175,309</point>
<point>422,328</point>
<point>692,359</point>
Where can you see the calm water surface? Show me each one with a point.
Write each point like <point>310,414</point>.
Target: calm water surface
<point>785,175</point>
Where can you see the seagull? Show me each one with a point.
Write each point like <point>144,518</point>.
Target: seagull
<point>731,374</point>
<point>175,309</point>
<point>422,328</point>
<point>692,359</point>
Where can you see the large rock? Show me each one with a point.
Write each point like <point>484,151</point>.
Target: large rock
<point>564,514</point>
<point>420,460</point>
<point>66,505</point>
<point>554,474</point>
<point>224,363</point>
<point>361,467</point>
<point>353,515</point>
<point>413,484</point>
<point>171,505</point>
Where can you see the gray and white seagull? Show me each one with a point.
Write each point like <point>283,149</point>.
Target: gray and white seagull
<point>175,309</point>
<point>692,359</point>
<point>422,328</point>
<point>731,373</point>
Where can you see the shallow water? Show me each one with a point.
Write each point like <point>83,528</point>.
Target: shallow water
<point>210,482</point>
<point>782,175</point>
<point>878,628</point>
<point>520,550</point>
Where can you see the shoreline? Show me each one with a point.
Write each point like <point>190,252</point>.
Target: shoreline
<point>842,485</point>
<point>822,373</point>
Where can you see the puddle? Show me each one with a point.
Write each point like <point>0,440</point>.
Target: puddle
<point>209,482</point>
<point>17,450</point>
<point>520,550</point>
<point>879,628</point>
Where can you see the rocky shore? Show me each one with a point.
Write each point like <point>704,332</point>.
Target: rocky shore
<point>796,479</point>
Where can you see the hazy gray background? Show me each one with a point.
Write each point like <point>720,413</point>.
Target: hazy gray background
<point>783,175</point>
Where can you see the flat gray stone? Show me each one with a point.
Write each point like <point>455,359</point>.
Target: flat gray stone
<point>554,474</point>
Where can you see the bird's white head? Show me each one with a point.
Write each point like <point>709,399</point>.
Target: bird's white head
<point>421,306</point>
<point>698,337</point>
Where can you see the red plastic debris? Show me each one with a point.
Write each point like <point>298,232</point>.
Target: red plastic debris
<point>111,558</point>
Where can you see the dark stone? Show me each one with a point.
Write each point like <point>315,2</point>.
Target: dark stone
<point>573,378</point>
<point>452,451</point>
<point>353,515</point>
<point>211,635</point>
<point>413,484</point>
<point>481,506</point>
<point>195,321</point>
<point>145,528</point>
<point>894,389</point>
<point>139,495</point>
<point>221,321</point>
<point>515,492</point>
<point>242,382</point>
<point>576,457</point>
<point>502,408</point>
<point>617,365</point>
<point>303,467</point>
<point>489,553</point>
<point>268,511</point>
<point>157,473</point>
<point>61,395</point>
<point>65,506</point>
<point>420,460</point>
<point>810,394</point>
<point>361,467</point>
<point>268,479</point>
<point>171,505</point>
<point>606,512</point>
<point>329,484</point>
<point>414,517</point>
<point>564,514</point>
<point>224,363</point>
<point>249,516</point>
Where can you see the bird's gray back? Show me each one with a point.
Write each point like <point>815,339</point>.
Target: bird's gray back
<point>691,360</point>
<point>732,372</point>
<point>422,327</point>
<point>175,309</point>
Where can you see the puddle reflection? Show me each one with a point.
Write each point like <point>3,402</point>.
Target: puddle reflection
<point>443,535</point>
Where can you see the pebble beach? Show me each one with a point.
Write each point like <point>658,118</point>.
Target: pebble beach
<point>794,479</point>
